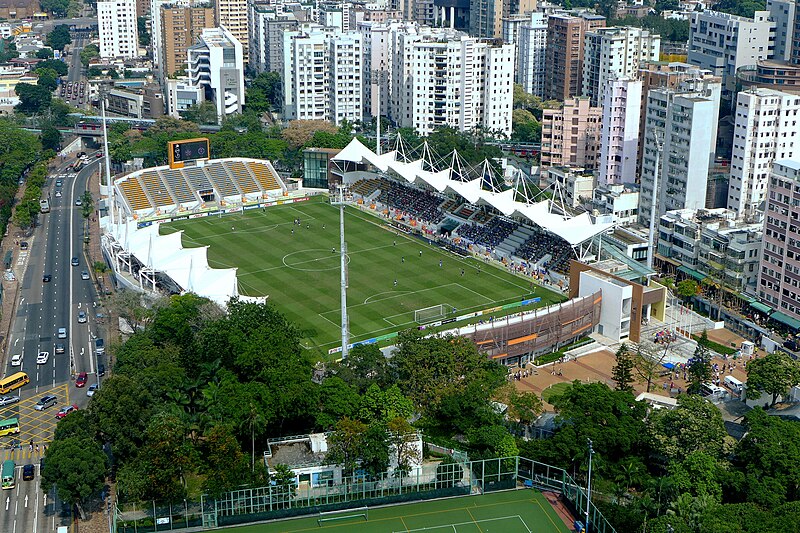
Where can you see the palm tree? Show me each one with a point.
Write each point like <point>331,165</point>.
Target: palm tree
<point>256,422</point>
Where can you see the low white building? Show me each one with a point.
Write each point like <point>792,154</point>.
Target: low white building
<point>576,184</point>
<point>615,313</point>
<point>306,455</point>
<point>181,95</point>
<point>618,200</point>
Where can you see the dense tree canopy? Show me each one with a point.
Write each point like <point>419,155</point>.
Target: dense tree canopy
<point>59,37</point>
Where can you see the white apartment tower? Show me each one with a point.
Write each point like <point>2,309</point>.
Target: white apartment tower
<point>611,53</point>
<point>679,141</point>
<point>117,29</point>
<point>216,63</point>
<point>323,74</point>
<point>723,43</point>
<point>461,82</point>
<point>531,44</point>
<point>767,128</point>
<point>232,15</point>
<point>619,137</point>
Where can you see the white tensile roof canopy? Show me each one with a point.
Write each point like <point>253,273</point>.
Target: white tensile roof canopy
<point>575,230</point>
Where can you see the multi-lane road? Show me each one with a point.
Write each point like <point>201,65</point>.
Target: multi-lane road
<point>44,307</point>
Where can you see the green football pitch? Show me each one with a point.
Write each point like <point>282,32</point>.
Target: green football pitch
<point>520,511</point>
<point>296,266</point>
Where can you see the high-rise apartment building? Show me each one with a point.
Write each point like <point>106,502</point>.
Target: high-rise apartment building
<point>531,46</point>
<point>216,64</point>
<point>779,269</point>
<point>117,29</point>
<point>456,81</point>
<point>723,43</point>
<point>232,15</point>
<point>181,27</point>
<point>323,74</point>
<point>786,16</point>
<point>611,53</point>
<point>619,136</point>
<point>564,53</point>
<point>486,18</point>
<point>571,134</point>
<point>767,128</point>
<point>266,27</point>
<point>679,143</point>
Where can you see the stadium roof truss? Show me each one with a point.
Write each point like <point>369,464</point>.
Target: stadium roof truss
<point>188,267</point>
<point>455,180</point>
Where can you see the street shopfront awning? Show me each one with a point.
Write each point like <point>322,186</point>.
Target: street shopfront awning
<point>786,319</point>
<point>699,276</point>
<point>764,308</point>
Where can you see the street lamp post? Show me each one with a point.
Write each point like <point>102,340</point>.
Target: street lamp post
<point>378,77</point>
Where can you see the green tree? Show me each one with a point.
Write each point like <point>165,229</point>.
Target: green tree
<point>169,455</point>
<point>77,468</point>
<point>687,288</point>
<point>51,138</point>
<point>524,407</point>
<point>89,52</point>
<point>87,204</point>
<point>47,78</point>
<point>382,406</point>
<point>742,8</point>
<point>120,410</point>
<point>285,479</point>
<point>265,93</point>
<point>59,37</point>
<point>699,367</point>
<point>44,53</point>
<point>144,35</point>
<point>622,371</point>
<point>337,400</point>
<point>698,474</point>
<point>525,127</point>
<point>773,374</point>
<point>365,365</point>
<point>695,425</point>
<point>374,452</point>
<point>346,444</point>
<point>203,113</point>
<point>402,439</point>
<point>491,441</point>
<point>32,98</point>
<point>59,67</point>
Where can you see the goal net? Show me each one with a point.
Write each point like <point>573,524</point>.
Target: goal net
<point>431,314</point>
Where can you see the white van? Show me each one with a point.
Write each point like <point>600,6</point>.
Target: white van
<point>734,384</point>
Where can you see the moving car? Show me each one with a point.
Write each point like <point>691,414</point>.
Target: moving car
<point>80,381</point>
<point>42,358</point>
<point>81,317</point>
<point>101,370</point>
<point>75,261</point>
<point>84,275</point>
<point>8,400</point>
<point>46,278</point>
<point>27,472</point>
<point>59,182</point>
<point>45,402</point>
<point>62,333</point>
<point>58,194</point>
<point>78,202</point>
<point>60,348</point>
<point>92,389</point>
<point>99,346</point>
<point>16,359</point>
<point>67,409</point>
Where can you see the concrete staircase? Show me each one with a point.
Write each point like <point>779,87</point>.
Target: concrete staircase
<point>512,243</point>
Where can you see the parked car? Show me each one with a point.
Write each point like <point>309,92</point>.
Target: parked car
<point>92,389</point>
<point>101,370</point>
<point>45,402</point>
<point>8,400</point>
<point>80,381</point>
<point>67,409</point>
<point>16,359</point>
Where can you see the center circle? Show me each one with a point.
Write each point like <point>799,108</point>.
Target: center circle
<point>314,260</point>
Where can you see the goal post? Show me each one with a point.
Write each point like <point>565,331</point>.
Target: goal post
<point>343,514</point>
<point>427,315</point>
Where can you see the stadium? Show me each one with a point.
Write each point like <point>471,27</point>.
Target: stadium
<point>430,241</point>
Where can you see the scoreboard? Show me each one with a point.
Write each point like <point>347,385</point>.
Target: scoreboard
<point>187,150</point>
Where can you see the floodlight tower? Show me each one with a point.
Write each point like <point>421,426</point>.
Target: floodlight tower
<point>107,160</point>
<point>340,199</point>
<point>651,239</point>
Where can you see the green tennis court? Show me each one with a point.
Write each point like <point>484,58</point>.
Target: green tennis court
<point>518,511</point>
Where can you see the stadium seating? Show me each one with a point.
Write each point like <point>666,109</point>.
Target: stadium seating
<point>541,244</point>
<point>242,177</point>
<point>155,186</point>
<point>263,176</point>
<point>489,235</point>
<point>421,204</point>
<point>133,192</point>
<point>367,187</point>
<point>221,180</point>
<point>198,181</point>
<point>177,184</point>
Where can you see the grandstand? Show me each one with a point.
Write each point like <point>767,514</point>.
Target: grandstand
<point>161,190</point>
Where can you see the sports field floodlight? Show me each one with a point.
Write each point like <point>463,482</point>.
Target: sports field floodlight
<point>341,197</point>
